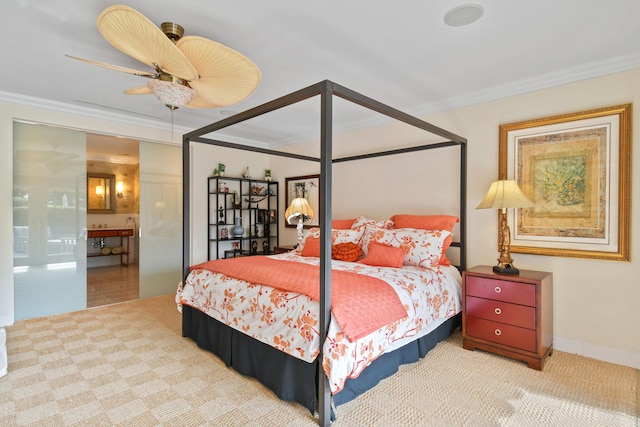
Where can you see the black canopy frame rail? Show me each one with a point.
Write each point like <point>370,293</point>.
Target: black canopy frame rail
<point>326,89</point>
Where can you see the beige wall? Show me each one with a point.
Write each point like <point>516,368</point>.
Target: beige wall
<point>595,302</point>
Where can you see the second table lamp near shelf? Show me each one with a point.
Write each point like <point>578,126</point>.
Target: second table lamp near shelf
<point>299,210</point>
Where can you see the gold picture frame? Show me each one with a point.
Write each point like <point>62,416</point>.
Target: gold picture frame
<point>577,169</point>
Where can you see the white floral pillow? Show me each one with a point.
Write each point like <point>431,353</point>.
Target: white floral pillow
<point>362,222</point>
<point>337,236</point>
<point>424,246</point>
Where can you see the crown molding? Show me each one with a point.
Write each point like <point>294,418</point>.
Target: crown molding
<point>109,114</point>
<point>540,82</point>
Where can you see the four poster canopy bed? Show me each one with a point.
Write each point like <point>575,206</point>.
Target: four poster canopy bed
<point>359,297</point>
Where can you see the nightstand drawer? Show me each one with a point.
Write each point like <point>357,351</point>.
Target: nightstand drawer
<point>501,333</point>
<point>502,290</point>
<point>500,311</point>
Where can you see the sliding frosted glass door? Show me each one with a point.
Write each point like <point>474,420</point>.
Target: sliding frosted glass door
<point>160,218</point>
<point>49,219</point>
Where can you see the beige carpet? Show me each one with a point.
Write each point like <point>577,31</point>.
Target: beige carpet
<point>127,364</point>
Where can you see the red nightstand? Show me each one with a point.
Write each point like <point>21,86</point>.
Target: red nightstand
<point>508,315</point>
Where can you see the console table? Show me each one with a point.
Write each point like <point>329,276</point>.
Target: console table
<point>122,233</point>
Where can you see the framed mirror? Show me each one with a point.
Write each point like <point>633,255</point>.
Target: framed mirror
<point>101,193</point>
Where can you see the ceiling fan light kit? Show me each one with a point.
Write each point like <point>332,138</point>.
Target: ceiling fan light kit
<point>189,71</point>
<point>172,94</point>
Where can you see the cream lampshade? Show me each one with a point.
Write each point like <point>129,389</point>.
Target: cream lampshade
<point>505,194</point>
<point>299,210</point>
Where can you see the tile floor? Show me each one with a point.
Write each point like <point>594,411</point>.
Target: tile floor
<point>112,284</point>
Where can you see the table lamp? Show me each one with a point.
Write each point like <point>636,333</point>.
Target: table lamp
<point>504,194</point>
<point>299,210</point>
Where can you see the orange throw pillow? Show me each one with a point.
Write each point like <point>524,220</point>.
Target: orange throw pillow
<point>311,247</point>
<point>384,255</point>
<point>346,252</point>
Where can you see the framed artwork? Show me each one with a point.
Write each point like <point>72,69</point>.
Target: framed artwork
<point>308,187</point>
<point>576,169</point>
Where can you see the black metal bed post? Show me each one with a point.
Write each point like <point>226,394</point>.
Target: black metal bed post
<point>326,138</point>
<point>186,203</point>
<point>463,206</point>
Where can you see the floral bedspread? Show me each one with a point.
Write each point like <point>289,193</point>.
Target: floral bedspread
<point>289,321</point>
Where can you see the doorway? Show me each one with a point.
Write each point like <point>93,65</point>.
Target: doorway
<point>113,212</point>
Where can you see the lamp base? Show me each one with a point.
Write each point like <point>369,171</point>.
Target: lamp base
<point>506,269</point>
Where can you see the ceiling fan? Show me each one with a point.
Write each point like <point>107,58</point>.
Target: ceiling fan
<point>188,71</point>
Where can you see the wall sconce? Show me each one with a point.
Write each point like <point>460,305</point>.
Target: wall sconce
<point>119,189</point>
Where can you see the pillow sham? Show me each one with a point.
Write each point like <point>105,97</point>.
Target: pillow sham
<point>429,222</point>
<point>342,224</point>
<point>361,223</point>
<point>348,251</point>
<point>382,255</point>
<point>339,236</point>
<point>424,247</point>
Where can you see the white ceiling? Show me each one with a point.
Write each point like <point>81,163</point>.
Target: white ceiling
<point>400,53</point>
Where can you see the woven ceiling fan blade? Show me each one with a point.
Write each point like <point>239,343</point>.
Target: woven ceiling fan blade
<point>115,67</point>
<point>140,90</point>
<point>226,76</point>
<point>134,34</point>
<point>200,102</point>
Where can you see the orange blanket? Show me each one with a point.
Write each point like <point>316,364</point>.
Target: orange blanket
<point>361,304</point>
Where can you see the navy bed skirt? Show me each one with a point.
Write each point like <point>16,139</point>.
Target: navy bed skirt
<point>292,379</point>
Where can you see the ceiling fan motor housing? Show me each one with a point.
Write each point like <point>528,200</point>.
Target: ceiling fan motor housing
<point>172,30</point>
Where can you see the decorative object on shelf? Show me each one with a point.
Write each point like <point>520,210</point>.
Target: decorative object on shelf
<point>255,190</point>
<point>504,194</point>
<point>253,231</point>
<point>265,247</point>
<point>238,230</point>
<point>299,210</point>
<point>267,175</point>
<point>236,246</point>
<point>246,173</point>
<point>255,199</point>
<point>106,250</point>
<point>262,216</point>
<point>237,201</point>
<point>117,250</point>
<point>224,233</point>
<point>221,168</point>
<point>221,215</point>
<point>254,247</point>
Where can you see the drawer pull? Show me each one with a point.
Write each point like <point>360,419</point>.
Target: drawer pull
<point>497,311</point>
<point>498,289</point>
<point>498,332</point>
